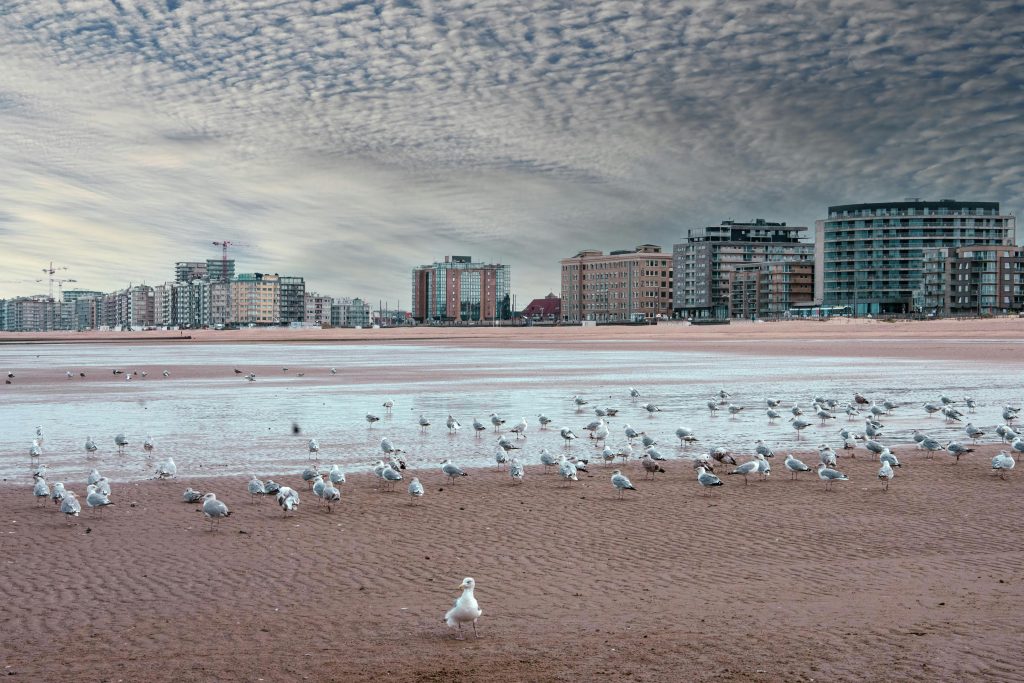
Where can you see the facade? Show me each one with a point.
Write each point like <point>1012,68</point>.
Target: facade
<point>622,286</point>
<point>769,290</point>
<point>317,309</point>
<point>970,281</point>
<point>871,256</point>
<point>292,299</point>
<point>349,312</point>
<point>210,269</point>
<point>255,299</point>
<point>37,313</point>
<point>548,308</point>
<point>704,263</point>
<point>460,290</point>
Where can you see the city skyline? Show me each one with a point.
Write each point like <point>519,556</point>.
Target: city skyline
<point>350,143</point>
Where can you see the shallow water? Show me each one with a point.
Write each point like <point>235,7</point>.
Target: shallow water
<point>214,423</point>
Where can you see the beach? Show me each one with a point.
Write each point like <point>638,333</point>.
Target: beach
<point>777,580</point>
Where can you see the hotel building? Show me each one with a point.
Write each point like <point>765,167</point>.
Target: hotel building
<point>622,286</point>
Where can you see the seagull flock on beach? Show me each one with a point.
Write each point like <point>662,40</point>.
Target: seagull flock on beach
<point>325,483</point>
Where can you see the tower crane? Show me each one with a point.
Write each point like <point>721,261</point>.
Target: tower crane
<point>224,244</point>
<point>51,271</point>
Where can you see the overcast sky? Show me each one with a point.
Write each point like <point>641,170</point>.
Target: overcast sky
<point>348,142</point>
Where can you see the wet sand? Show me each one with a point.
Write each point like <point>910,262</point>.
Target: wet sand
<point>991,339</point>
<point>773,581</point>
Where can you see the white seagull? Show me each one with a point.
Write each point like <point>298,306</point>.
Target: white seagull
<point>465,609</point>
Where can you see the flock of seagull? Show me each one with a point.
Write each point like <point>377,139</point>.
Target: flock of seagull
<point>391,468</point>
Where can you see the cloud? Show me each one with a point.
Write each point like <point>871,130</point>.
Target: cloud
<point>350,141</point>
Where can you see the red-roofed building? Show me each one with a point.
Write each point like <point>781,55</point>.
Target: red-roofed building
<point>548,308</point>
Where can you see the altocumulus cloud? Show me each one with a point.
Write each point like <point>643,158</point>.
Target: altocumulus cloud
<point>349,141</point>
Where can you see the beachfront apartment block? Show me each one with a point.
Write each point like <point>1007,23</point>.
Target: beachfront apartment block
<point>461,290</point>
<point>870,257</point>
<point>350,312</point>
<point>971,281</point>
<point>621,286</point>
<point>770,289</point>
<point>705,263</point>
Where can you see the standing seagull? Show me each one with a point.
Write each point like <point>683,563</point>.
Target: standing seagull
<point>415,489</point>
<point>621,483</point>
<point>799,424</point>
<point>465,610</point>
<point>567,471</point>
<point>516,471</point>
<point>795,466</point>
<point>214,510</point>
<point>288,499</point>
<point>424,423</point>
<point>519,428</point>
<point>886,474</point>
<point>745,469</point>
<point>707,480</point>
<point>70,506</point>
<point>1003,463</point>
<point>121,441</point>
<point>453,426</point>
<point>166,469</point>
<point>829,475</point>
<point>90,445</point>
<point>256,489</point>
<point>451,471</point>
<point>568,435</point>
<point>957,449</point>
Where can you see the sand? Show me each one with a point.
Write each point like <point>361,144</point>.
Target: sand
<point>775,581</point>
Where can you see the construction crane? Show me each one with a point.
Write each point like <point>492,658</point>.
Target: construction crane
<point>224,244</point>
<point>51,271</point>
<point>60,286</point>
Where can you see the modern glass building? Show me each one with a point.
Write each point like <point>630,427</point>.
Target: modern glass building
<point>871,256</point>
<point>460,290</point>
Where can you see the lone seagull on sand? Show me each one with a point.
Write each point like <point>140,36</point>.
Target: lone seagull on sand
<point>621,483</point>
<point>465,609</point>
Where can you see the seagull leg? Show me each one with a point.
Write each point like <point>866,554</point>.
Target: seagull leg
<point>474,629</point>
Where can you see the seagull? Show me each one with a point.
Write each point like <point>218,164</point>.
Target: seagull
<point>625,452</point>
<point>799,424</point>
<point>214,510</point>
<point>712,405</point>
<point>334,371</point>
<point>148,444</point>
<point>34,451</point>
<point>1010,413</point>
<point>166,469</point>
<point>685,436</point>
<point>957,449</point>
<point>567,435</point>
<point>519,428</point>
<point>388,405</point>
<point>795,466</point>
<point>191,496</point>
<point>451,471</point>
<point>773,402</point>
<point>309,475</point>
<point>581,465</point>
<point>887,456</point>
<point>829,475</point>
<point>1018,444</point>
<point>57,492</point>
<point>772,415</point>
<point>41,491</point>
<point>601,434</point>
<point>94,476</point>
<point>886,474</point>
<point>931,445</point>
<point>500,457</point>
<point>336,475</point>
<point>547,459</point>
<point>478,426</point>
<point>465,610</point>
<point>651,408</point>
<point>94,499</point>
<point>1006,433</point>
<point>631,433</point>
<point>120,441</point>
<point>371,418</point>
<point>633,393</point>
<point>166,373</point>
<point>496,421</point>
<point>567,471</point>
<point>762,449</point>
<point>453,425</point>
<point>749,467</point>
<point>70,506</point>
<point>507,445</point>
<point>256,489</point>
<point>516,471</point>
<point>734,410</point>
<point>707,480</point>
<point>579,401</point>
<point>973,432</point>
<point>391,476</point>
<point>931,408</point>
<point>388,447</point>
<point>330,496</point>
<point>646,440</point>
<point>1003,463</point>
<point>271,487</point>
<point>424,422</point>
<point>90,445</point>
<point>722,455</point>
<point>970,403</point>
<point>826,455</point>
<point>621,483</point>
<point>651,466</point>
<point>415,489</point>
<point>764,468</point>
<point>874,446</point>
<point>608,454</point>
<point>796,410</point>
<point>288,499</point>
<point>543,419</point>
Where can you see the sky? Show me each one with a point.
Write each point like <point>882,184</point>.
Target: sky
<point>348,142</point>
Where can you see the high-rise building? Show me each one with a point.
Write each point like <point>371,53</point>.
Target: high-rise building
<point>768,290</point>
<point>622,286</point>
<point>255,299</point>
<point>36,313</point>
<point>460,290</point>
<point>704,263</point>
<point>210,269</point>
<point>871,256</point>
<point>292,298</point>
<point>976,280</point>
